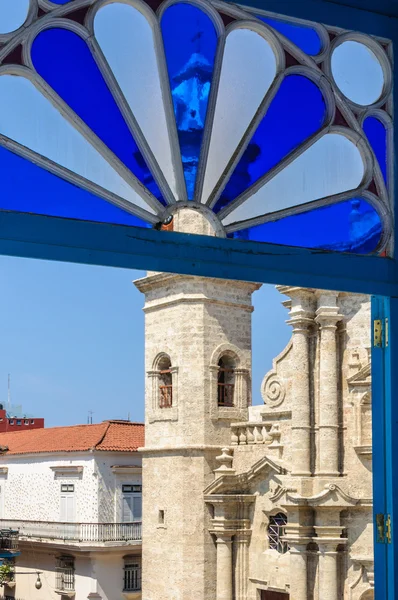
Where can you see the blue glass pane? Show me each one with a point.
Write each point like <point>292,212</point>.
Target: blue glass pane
<point>26,187</point>
<point>285,126</point>
<point>190,42</point>
<point>377,136</point>
<point>65,62</point>
<point>306,38</point>
<point>350,226</point>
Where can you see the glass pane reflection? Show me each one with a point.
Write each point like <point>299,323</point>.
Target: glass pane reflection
<point>50,135</point>
<point>13,14</point>
<point>65,62</point>
<point>357,72</point>
<point>350,226</point>
<point>331,166</point>
<point>132,58</point>
<point>304,37</point>
<point>190,42</point>
<point>248,70</point>
<point>26,187</point>
<point>284,127</point>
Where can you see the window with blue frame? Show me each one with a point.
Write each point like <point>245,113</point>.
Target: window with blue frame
<point>115,112</point>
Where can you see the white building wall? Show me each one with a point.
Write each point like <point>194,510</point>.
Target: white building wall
<point>31,490</point>
<point>110,482</point>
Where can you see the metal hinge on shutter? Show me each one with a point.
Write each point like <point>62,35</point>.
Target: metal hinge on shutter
<point>383,525</point>
<point>380,333</point>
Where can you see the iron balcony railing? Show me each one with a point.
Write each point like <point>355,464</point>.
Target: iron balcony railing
<point>77,532</point>
<point>9,538</point>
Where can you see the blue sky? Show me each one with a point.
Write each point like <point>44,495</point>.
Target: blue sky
<point>72,337</point>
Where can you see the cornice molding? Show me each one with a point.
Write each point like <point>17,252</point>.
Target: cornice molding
<point>331,497</point>
<point>227,483</point>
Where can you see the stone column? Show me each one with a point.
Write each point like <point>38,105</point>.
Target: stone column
<point>298,569</point>
<point>224,566</point>
<point>300,319</point>
<point>327,316</point>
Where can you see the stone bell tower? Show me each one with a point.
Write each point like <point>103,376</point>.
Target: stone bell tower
<point>198,371</point>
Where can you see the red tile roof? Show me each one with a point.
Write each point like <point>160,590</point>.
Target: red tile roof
<point>110,436</point>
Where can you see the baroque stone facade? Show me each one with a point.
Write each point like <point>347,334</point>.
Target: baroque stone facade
<point>268,502</point>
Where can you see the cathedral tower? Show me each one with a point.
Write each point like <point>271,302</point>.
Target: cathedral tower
<point>198,370</point>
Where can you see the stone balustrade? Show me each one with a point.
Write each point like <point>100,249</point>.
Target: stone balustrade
<point>255,433</point>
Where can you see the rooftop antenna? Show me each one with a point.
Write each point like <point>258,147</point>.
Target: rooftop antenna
<point>90,417</point>
<point>9,392</point>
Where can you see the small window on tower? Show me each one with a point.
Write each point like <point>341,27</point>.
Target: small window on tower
<point>165,383</point>
<point>226,381</point>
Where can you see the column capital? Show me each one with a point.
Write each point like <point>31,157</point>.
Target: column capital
<point>223,537</point>
<point>300,320</point>
<point>327,317</point>
<point>329,538</point>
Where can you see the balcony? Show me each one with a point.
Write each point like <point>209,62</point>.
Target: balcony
<point>9,541</point>
<point>81,533</point>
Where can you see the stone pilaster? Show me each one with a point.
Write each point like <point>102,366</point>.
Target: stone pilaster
<point>327,316</point>
<point>231,528</point>
<point>301,319</point>
<point>224,565</point>
<point>242,540</point>
<point>298,568</point>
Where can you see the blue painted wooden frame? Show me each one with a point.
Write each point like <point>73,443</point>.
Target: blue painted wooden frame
<point>92,243</point>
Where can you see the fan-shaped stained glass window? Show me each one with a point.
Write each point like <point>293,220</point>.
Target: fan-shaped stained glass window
<point>128,112</point>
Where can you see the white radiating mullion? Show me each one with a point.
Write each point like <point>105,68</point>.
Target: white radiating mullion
<point>131,44</point>
<point>332,165</point>
<point>31,120</point>
<point>249,67</point>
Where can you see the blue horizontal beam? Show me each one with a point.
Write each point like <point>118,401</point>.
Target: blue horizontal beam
<point>51,238</point>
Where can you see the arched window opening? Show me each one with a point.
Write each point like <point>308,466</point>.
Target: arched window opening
<point>165,383</point>
<point>226,381</point>
<point>276,530</point>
